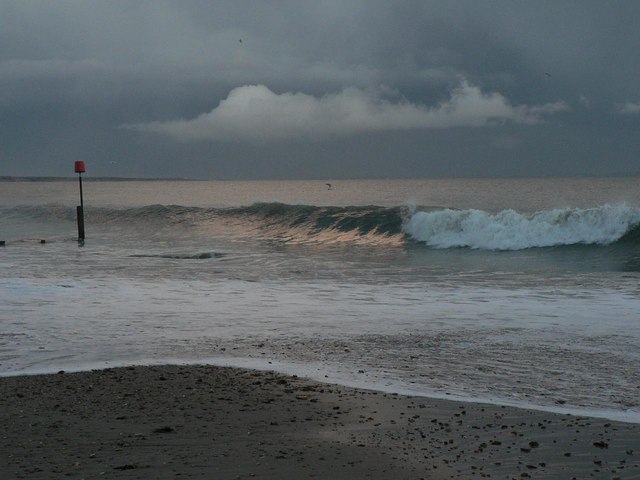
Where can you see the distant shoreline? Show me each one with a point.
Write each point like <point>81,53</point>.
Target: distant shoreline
<point>9,178</point>
<point>92,179</point>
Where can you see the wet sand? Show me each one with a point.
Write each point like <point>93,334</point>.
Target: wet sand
<point>223,423</point>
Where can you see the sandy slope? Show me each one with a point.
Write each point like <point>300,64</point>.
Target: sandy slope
<point>223,423</point>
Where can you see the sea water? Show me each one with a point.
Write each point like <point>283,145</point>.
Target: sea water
<point>513,291</point>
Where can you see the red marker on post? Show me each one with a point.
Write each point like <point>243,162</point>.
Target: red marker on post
<point>79,169</point>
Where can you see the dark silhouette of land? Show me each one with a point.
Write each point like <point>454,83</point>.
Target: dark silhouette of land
<point>8,178</point>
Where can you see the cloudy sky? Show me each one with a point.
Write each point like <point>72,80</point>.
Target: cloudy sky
<point>320,89</point>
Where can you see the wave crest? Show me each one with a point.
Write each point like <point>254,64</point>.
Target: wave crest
<point>510,230</point>
<point>434,227</point>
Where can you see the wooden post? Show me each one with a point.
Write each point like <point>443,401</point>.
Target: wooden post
<point>80,169</point>
<point>80,215</point>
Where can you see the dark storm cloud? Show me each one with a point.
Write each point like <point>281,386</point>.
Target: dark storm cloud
<point>324,88</point>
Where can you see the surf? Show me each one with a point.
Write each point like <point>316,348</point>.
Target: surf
<point>430,227</point>
<point>511,230</point>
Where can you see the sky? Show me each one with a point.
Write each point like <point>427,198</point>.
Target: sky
<point>322,89</point>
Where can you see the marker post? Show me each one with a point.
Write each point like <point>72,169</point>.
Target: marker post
<point>80,169</point>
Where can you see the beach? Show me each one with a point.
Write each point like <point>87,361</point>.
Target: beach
<point>227,423</point>
<point>384,329</point>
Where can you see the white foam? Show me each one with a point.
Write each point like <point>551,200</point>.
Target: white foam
<point>510,230</point>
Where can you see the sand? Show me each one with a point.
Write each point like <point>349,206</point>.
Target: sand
<point>222,423</point>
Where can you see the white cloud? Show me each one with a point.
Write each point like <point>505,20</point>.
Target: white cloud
<point>255,113</point>
<point>584,100</point>
<point>629,108</point>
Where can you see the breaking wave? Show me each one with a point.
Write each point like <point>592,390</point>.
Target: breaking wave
<point>510,230</point>
<point>434,227</point>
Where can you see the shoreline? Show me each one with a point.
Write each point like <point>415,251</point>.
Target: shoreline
<point>300,370</point>
<point>209,421</point>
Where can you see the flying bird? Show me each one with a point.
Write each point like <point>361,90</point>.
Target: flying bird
<point>547,74</point>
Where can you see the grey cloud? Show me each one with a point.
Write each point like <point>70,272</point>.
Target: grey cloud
<point>629,108</point>
<point>73,72</point>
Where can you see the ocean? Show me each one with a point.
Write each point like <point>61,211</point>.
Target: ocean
<point>518,292</point>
